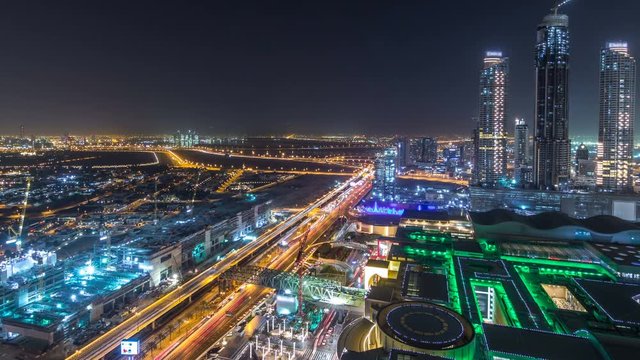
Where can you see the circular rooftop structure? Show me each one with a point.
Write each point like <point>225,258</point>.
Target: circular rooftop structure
<point>425,325</point>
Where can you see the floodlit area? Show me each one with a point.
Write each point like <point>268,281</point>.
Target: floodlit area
<point>563,298</point>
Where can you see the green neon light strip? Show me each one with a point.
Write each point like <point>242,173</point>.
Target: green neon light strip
<point>543,303</point>
<point>560,263</point>
<point>422,252</point>
<point>421,236</point>
<point>490,248</point>
<point>500,294</point>
<point>453,285</point>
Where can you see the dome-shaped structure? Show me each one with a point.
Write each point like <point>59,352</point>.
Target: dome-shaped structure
<point>425,327</point>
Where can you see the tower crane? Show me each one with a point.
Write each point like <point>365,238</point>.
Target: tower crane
<point>155,201</point>
<point>195,190</point>
<point>17,234</point>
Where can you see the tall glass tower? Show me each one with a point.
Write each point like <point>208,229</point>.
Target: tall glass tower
<point>552,148</point>
<point>491,143</point>
<point>384,184</point>
<point>617,113</point>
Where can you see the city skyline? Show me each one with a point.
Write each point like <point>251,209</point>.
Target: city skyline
<point>359,180</point>
<point>112,75</point>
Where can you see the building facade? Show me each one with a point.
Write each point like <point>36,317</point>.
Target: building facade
<point>384,184</point>
<point>404,152</point>
<point>580,205</point>
<point>491,144</point>
<point>426,150</point>
<point>521,156</point>
<point>552,147</point>
<point>617,114</point>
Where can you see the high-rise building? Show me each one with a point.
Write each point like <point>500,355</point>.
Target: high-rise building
<point>404,152</point>
<point>617,114</point>
<point>426,150</point>
<point>585,170</point>
<point>384,184</point>
<point>521,152</point>
<point>491,143</point>
<point>552,147</point>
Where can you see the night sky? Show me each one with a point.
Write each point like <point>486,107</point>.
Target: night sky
<point>277,67</point>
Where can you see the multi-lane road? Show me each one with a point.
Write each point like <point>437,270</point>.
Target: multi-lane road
<point>105,343</point>
<point>199,341</point>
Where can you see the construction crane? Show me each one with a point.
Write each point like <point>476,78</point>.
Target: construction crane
<point>105,234</point>
<point>558,5</point>
<point>17,234</point>
<point>300,267</point>
<point>155,201</point>
<point>193,198</point>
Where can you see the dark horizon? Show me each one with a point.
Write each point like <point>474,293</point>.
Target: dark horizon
<point>252,68</point>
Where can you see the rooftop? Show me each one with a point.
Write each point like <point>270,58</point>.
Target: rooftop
<point>552,220</point>
<point>620,301</point>
<point>425,325</point>
<point>627,255</point>
<point>538,344</point>
<point>424,286</point>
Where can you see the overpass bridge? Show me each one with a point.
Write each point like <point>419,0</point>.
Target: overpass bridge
<point>147,316</point>
<point>320,291</point>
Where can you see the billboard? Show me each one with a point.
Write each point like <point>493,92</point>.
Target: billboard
<point>129,347</point>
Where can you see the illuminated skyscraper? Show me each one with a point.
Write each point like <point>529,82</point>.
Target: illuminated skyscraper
<point>384,184</point>
<point>491,143</point>
<point>521,152</point>
<point>617,113</point>
<point>552,150</point>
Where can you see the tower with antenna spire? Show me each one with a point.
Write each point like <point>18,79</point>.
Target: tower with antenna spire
<point>552,146</point>
<point>558,5</point>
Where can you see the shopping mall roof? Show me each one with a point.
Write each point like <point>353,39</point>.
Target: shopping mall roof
<point>467,246</point>
<point>627,255</point>
<point>420,285</point>
<point>529,343</point>
<point>551,220</point>
<point>620,301</point>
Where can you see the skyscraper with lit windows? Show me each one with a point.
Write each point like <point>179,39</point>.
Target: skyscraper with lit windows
<point>617,113</point>
<point>552,146</point>
<point>491,143</point>
<point>384,183</point>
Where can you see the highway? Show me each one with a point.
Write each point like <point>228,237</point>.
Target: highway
<point>436,178</point>
<point>208,333</point>
<point>108,341</point>
<point>262,157</point>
